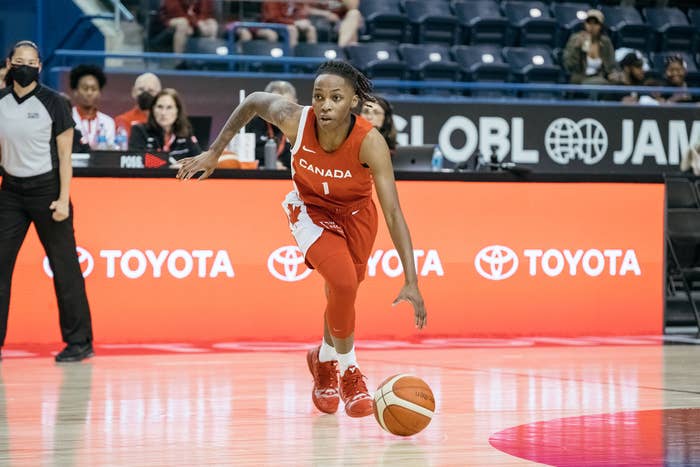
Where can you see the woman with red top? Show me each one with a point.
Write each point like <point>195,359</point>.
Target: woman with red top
<point>336,157</point>
<point>188,17</point>
<point>295,15</point>
<point>167,130</point>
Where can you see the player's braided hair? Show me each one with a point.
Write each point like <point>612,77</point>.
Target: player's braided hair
<point>361,84</point>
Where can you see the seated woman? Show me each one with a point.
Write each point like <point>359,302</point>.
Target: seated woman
<point>381,115</point>
<point>167,130</point>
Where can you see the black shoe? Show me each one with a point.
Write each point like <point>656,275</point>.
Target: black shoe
<point>75,352</point>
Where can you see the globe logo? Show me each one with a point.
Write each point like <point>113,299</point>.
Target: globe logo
<point>566,140</point>
<point>87,262</point>
<point>287,264</point>
<point>496,262</point>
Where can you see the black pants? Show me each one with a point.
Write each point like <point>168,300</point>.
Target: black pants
<point>27,200</point>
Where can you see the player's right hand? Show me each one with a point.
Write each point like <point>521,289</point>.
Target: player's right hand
<point>205,162</point>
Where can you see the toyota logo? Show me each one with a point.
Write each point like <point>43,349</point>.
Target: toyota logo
<point>496,262</point>
<point>287,264</point>
<point>567,140</point>
<point>87,262</point>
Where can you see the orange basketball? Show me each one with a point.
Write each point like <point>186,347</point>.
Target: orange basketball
<point>404,404</point>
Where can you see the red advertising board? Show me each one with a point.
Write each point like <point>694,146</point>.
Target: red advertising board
<point>168,261</point>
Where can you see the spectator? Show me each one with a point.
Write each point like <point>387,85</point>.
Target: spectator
<point>86,82</point>
<point>3,73</point>
<point>632,75</point>
<point>264,130</point>
<point>146,87</point>
<point>167,130</point>
<point>589,54</point>
<point>381,115</point>
<point>675,74</point>
<point>189,17</point>
<point>294,15</point>
<point>345,17</point>
<point>248,11</point>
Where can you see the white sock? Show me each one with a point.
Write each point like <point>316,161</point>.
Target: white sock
<point>327,352</point>
<point>346,360</point>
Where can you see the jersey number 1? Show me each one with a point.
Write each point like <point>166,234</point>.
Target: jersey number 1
<point>326,190</point>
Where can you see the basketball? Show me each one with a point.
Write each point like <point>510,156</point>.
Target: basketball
<point>404,404</point>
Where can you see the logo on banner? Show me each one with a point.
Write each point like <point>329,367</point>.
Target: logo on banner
<point>287,264</point>
<point>496,262</point>
<point>567,140</point>
<point>87,262</point>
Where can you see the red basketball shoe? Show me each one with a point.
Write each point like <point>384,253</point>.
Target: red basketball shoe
<point>325,391</point>
<point>353,390</point>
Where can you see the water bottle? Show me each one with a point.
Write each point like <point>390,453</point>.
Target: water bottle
<point>121,139</point>
<point>102,138</point>
<point>270,152</point>
<point>437,160</point>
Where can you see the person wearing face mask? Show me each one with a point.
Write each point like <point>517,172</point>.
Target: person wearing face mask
<point>146,86</point>
<point>36,136</point>
<point>167,130</point>
<point>86,82</point>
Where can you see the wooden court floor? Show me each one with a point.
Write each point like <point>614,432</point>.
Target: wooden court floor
<point>600,405</point>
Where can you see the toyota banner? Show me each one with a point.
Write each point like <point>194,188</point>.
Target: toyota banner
<point>169,261</point>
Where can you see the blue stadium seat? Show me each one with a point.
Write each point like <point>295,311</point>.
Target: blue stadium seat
<point>533,65</point>
<point>263,48</point>
<point>482,21</point>
<point>206,45</point>
<point>377,60</point>
<point>530,23</point>
<point>432,21</point>
<point>327,50</point>
<point>694,15</point>
<point>482,63</point>
<point>429,62</point>
<point>570,18</point>
<point>673,31</point>
<point>658,60</point>
<point>627,27</point>
<point>384,20</point>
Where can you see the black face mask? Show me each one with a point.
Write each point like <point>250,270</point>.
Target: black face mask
<point>24,75</point>
<point>144,100</point>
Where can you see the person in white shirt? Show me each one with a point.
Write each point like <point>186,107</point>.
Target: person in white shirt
<point>97,128</point>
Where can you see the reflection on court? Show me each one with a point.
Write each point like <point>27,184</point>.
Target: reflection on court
<point>255,409</point>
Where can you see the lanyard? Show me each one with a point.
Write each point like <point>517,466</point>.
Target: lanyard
<point>282,141</point>
<point>166,145</point>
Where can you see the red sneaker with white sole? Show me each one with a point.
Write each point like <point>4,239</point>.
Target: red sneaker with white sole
<point>353,391</point>
<point>325,391</point>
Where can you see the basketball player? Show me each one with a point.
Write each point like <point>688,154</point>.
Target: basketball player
<point>335,157</point>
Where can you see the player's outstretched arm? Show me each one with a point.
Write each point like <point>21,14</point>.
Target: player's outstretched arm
<point>375,153</point>
<point>274,108</point>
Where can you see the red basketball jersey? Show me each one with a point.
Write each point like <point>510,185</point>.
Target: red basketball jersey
<point>333,180</point>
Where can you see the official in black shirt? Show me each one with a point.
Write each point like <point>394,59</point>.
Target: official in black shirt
<point>36,135</point>
<point>168,130</point>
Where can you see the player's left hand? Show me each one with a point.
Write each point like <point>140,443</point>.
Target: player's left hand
<point>61,210</point>
<point>410,293</point>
